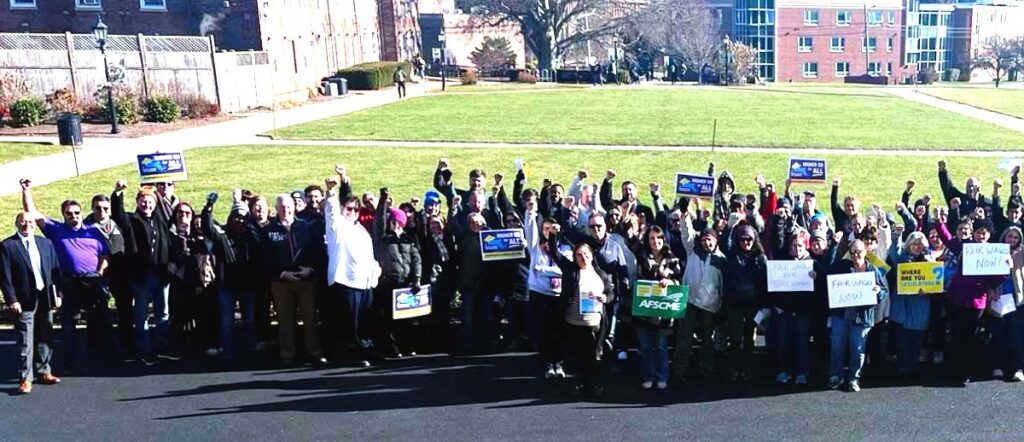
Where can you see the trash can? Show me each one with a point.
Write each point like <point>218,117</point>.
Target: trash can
<point>342,85</point>
<point>69,129</point>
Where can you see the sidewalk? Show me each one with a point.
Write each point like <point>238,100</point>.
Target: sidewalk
<point>1003,120</point>
<point>103,153</point>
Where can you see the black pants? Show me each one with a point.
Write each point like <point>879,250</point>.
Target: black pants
<point>937,325</point>
<point>547,326</point>
<point>261,311</point>
<point>438,331</point>
<point>194,319</point>
<point>391,336</point>
<point>401,89</point>
<point>585,343</point>
<point>35,340</point>
<point>741,326</point>
<point>121,291</point>
<point>90,295</point>
<point>964,323</point>
<point>353,321</point>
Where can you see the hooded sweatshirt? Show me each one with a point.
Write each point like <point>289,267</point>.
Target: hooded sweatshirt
<point>703,272</point>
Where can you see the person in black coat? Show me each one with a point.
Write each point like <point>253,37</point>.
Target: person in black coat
<point>28,271</point>
<point>745,287</point>
<point>398,253</point>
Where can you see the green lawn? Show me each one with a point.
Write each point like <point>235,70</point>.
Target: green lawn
<point>18,151</point>
<point>1007,101</point>
<point>408,172</point>
<point>787,117</point>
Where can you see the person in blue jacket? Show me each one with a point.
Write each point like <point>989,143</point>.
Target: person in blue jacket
<point>910,313</point>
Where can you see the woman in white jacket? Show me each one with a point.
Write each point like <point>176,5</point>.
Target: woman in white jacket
<point>352,271</point>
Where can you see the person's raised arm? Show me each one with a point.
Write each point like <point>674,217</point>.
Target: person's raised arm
<point>837,209</point>
<point>949,191</point>
<point>517,190</point>
<point>117,212</point>
<point>605,192</point>
<point>383,215</point>
<point>441,183</point>
<point>28,204</point>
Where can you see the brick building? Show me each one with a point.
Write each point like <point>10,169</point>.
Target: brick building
<point>400,36</point>
<point>978,23</point>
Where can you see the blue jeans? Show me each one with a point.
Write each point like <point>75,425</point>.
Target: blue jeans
<point>848,339</point>
<point>908,348</point>
<point>794,329</point>
<point>226,299</point>
<point>149,288</point>
<point>653,354</point>
<point>477,323</point>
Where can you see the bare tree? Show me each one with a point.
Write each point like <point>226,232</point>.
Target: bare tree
<point>1002,56</point>
<point>689,29</point>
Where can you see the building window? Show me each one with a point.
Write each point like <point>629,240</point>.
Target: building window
<point>844,18</point>
<point>23,4</point>
<point>869,45</point>
<point>88,4</point>
<point>874,68</point>
<point>811,17</point>
<point>838,44</point>
<point>810,69</point>
<point>889,44</point>
<point>160,5</point>
<point>805,44</point>
<point>842,68</point>
<point>888,69</point>
<point>892,17</point>
<point>874,18</point>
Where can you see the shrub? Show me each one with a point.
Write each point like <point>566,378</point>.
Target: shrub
<point>28,111</point>
<point>125,101</point>
<point>64,100</point>
<point>197,106</point>
<point>928,76</point>
<point>952,74</point>
<point>526,77</point>
<point>162,109</point>
<point>12,87</point>
<point>468,77</point>
<point>373,76</point>
<point>624,76</point>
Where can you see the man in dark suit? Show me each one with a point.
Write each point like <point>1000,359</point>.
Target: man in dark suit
<point>28,269</point>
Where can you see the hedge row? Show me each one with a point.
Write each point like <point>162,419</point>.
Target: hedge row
<point>373,76</point>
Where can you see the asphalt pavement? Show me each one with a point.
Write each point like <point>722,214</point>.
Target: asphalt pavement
<point>492,397</point>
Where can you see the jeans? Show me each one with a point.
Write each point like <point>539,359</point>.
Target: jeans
<point>546,326</point>
<point>149,288</point>
<point>794,329</point>
<point>964,344</point>
<point>90,295</point>
<point>908,348</point>
<point>848,339</point>
<point>653,354</point>
<point>226,298</point>
<point>477,320</point>
<point>585,343</point>
<point>355,311</point>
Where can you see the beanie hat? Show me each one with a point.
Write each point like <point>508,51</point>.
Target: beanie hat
<point>239,209</point>
<point>431,198</point>
<point>817,234</point>
<point>708,231</point>
<point>785,202</point>
<point>398,216</point>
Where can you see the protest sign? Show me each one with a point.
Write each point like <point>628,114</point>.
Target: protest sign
<point>589,305</point>
<point>986,259</point>
<point>406,304</point>
<point>804,169</point>
<point>652,300</point>
<point>919,278</point>
<point>691,184</point>
<point>161,167</point>
<point>852,290</point>
<point>498,245</point>
<point>790,276</point>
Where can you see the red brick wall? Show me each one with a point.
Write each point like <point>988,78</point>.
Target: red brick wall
<point>790,26</point>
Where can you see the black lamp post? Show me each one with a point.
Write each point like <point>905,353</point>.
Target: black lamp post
<point>100,32</point>
<point>725,44</point>
<point>444,53</point>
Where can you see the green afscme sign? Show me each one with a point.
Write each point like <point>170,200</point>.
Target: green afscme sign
<point>652,300</point>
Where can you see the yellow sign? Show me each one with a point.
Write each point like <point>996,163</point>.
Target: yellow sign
<point>920,278</point>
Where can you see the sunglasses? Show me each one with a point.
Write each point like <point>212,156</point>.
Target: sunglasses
<point>596,226</point>
<point>70,213</point>
<point>747,239</point>
<point>165,184</point>
<point>351,209</point>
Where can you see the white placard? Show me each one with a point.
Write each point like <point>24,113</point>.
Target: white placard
<point>790,276</point>
<point>851,290</point>
<point>986,259</point>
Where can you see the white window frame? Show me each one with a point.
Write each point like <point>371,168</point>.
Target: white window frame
<point>889,44</point>
<point>807,17</point>
<point>844,73</point>
<point>842,44</point>
<point>849,18</point>
<point>865,47</point>
<point>800,47</point>
<point>888,69</point>
<point>892,17</point>
<point>144,7</point>
<point>81,5</point>
<point>808,73</point>
<point>23,5</point>
<point>876,72</point>
<point>870,17</point>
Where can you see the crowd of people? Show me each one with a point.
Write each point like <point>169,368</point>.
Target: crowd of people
<point>175,281</point>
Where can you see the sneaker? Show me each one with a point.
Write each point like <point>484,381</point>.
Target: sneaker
<point>662,385</point>
<point>923,356</point>
<point>549,373</point>
<point>937,357</point>
<point>262,345</point>
<point>1018,376</point>
<point>149,360</point>
<point>834,382</point>
<point>997,373</point>
<point>215,351</point>
<point>559,373</point>
<point>646,385</point>
<point>168,356</point>
<point>363,363</point>
<point>854,387</point>
<point>783,378</point>
<point>801,380</point>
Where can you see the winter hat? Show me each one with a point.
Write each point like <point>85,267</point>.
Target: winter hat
<point>785,202</point>
<point>431,198</point>
<point>708,231</point>
<point>745,230</point>
<point>239,209</point>
<point>398,216</point>
<point>817,234</point>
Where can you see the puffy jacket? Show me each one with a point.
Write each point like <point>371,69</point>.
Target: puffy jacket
<point>398,254</point>
<point>745,280</point>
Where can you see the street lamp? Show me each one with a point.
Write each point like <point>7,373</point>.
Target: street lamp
<point>100,31</point>
<point>725,44</point>
<point>444,50</point>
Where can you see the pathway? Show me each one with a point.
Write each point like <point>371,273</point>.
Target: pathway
<point>1003,120</point>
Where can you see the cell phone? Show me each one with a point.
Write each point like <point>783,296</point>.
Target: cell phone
<point>212,197</point>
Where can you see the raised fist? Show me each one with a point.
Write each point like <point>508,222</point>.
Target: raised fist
<point>582,174</point>
<point>942,165</point>
<point>442,163</point>
<point>120,185</point>
<point>836,181</point>
<point>610,174</point>
<point>910,185</point>
<point>655,188</point>
<point>760,181</point>
<point>25,183</point>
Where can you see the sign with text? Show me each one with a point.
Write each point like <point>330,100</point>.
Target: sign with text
<point>161,167</point>
<point>986,259</point>
<point>851,290</point>
<point>650,299</point>
<point>790,276</point>
<point>691,184</point>
<point>920,278</point>
<point>804,169</point>
<point>406,304</point>
<point>498,245</point>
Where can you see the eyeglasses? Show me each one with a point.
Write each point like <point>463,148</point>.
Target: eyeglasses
<point>351,209</point>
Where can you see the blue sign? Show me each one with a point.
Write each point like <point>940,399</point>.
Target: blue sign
<point>691,184</point>
<point>803,169</point>
<point>406,304</point>
<point>160,167</point>
<point>497,245</point>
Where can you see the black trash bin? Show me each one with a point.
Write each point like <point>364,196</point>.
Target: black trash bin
<point>342,85</point>
<point>69,129</point>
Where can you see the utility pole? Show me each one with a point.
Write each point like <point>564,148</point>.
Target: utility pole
<point>867,51</point>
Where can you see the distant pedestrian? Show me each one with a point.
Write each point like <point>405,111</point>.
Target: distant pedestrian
<point>400,79</point>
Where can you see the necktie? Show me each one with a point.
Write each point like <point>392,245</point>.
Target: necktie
<point>37,267</point>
